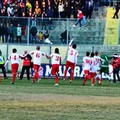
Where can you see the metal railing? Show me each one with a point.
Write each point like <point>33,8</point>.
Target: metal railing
<point>60,31</point>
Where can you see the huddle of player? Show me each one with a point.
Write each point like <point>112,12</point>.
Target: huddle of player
<point>55,57</point>
<point>93,65</point>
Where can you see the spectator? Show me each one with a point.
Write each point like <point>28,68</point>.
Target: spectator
<point>40,36</point>
<point>2,31</point>
<point>72,8</point>
<point>67,9</point>
<point>43,7</point>
<point>89,9</point>
<point>37,11</point>
<point>28,7</point>
<point>30,14</point>
<point>33,32</point>
<point>55,6</point>
<point>3,11</point>
<point>46,37</point>
<point>44,20</point>
<point>117,7</point>
<point>11,40</point>
<point>64,36</point>
<point>61,9</point>
<point>10,10</point>
<point>7,33</point>
<point>1,4</point>
<point>50,12</point>
<point>19,34</point>
<point>79,18</point>
<point>17,11</point>
<point>22,6</point>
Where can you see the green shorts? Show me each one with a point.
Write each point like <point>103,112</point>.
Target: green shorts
<point>104,69</point>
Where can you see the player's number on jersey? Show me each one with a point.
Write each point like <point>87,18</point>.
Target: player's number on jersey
<point>15,57</point>
<point>57,58</point>
<point>97,61</point>
<point>88,61</point>
<point>71,52</point>
<point>37,55</point>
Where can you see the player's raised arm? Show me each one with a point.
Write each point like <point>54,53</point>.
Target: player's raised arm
<point>70,43</point>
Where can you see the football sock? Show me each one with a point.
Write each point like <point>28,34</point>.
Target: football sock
<point>56,79</point>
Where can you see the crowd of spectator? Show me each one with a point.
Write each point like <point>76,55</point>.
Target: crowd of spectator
<point>45,8</point>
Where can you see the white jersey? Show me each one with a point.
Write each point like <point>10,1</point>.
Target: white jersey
<point>55,58</point>
<point>72,55</point>
<point>86,63</point>
<point>37,55</point>
<point>97,58</point>
<point>14,58</point>
<point>93,65</point>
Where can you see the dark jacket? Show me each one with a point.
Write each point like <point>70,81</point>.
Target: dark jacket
<point>33,31</point>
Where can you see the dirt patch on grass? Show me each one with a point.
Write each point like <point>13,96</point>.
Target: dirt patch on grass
<point>50,99</point>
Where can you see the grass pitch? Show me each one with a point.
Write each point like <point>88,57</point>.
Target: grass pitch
<point>44,101</point>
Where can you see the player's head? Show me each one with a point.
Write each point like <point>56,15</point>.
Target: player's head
<point>96,53</point>
<point>38,48</point>
<point>74,46</point>
<point>56,50</point>
<point>25,52</point>
<point>14,50</point>
<point>115,56</point>
<point>87,53</point>
<point>101,53</point>
<point>92,54</point>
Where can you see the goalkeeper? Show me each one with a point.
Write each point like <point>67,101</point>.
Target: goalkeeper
<point>104,65</point>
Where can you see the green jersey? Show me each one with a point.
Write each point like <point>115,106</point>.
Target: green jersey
<point>104,60</point>
<point>2,61</point>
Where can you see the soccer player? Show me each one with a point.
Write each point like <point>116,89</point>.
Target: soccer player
<point>2,62</point>
<point>26,65</point>
<point>71,60</point>
<point>37,54</point>
<point>97,65</point>
<point>104,66</point>
<point>86,67</point>
<point>56,61</point>
<point>93,69</point>
<point>14,58</point>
